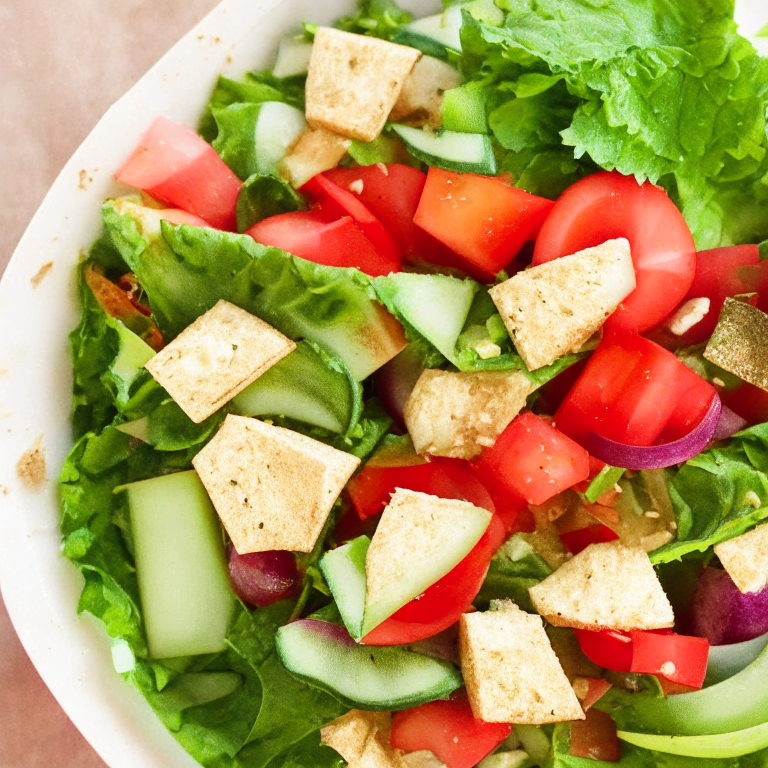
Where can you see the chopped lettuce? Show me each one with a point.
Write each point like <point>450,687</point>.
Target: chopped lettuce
<point>379,18</point>
<point>662,91</point>
<point>262,196</point>
<point>719,494</point>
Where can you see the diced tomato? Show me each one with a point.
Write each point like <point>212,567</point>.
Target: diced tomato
<point>178,167</point>
<point>597,687</point>
<point>535,460</point>
<point>595,737</point>
<point>636,392</point>
<point>679,658</point>
<point>309,235</point>
<point>449,730</point>
<point>595,468</point>
<point>608,205</point>
<point>608,648</point>
<point>339,202</point>
<point>578,540</point>
<point>749,401</point>
<point>441,605</point>
<point>482,218</point>
<point>392,193</point>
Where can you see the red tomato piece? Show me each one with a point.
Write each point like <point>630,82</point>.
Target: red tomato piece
<point>598,687</point>
<point>482,218</point>
<point>441,605</point>
<point>310,236</point>
<point>723,272</point>
<point>636,392</point>
<point>449,730</point>
<point>749,401</point>
<point>595,737</point>
<point>535,460</point>
<point>337,202</point>
<point>580,539</point>
<point>608,648</point>
<point>608,205</point>
<point>680,658</point>
<point>178,167</point>
<point>392,193</point>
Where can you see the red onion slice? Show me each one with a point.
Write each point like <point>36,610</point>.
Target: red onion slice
<point>729,424</point>
<point>656,456</point>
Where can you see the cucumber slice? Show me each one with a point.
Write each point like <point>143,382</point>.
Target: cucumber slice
<point>292,58</point>
<point>186,596</point>
<point>277,127</point>
<point>435,305</point>
<point>463,109</point>
<point>308,385</point>
<point>454,151</point>
<point>440,35</point>
<point>363,676</point>
<point>344,572</point>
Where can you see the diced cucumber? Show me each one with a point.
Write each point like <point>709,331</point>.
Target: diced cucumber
<point>463,109</point>
<point>454,151</point>
<point>308,385</point>
<point>344,571</point>
<point>277,127</point>
<point>132,354</point>
<point>435,305</point>
<point>137,428</point>
<point>186,595</point>
<point>439,35</point>
<point>363,676</point>
<point>292,57</point>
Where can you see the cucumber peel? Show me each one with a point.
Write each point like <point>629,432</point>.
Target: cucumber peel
<point>343,569</point>
<point>451,150</point>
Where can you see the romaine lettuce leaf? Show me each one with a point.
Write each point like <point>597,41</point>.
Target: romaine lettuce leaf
<point>719,494</point>
<point>262,196</point>
<point>379,18</point>
<point>659,90</point>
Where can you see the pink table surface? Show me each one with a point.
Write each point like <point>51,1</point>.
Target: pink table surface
<point>63,63</point>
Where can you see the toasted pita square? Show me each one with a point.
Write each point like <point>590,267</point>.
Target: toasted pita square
<point>553,308</point>
<point>362,739</point>
<point>510,670</point>
<point>271,487</point>
<point>314,151</point>
<point>219,355</point>
<point>606,586</point>
<point>418,540</point>
<point>459,414</point>
<point>745,558</point>
<point>354,81</point>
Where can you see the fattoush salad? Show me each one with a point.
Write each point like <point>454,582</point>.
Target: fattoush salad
<point>420,397</point>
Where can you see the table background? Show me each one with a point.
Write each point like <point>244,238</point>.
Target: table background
<point>63,63</point>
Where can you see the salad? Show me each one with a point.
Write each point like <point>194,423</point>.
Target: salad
<point>421,397</point>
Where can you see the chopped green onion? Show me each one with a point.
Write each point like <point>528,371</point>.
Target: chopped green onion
<point>605,480</point>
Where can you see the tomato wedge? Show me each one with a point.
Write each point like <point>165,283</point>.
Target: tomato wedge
<point>338,202</point>
<point>535,460</point>
<point>608,205</point>
<point>391,193</point>
<point>595,737</point>
<point>449,730</point>
<point>578,540</point>
<point>308,234</point>
<point>175,165</point>
<point>636,392</point>
<point>482,218</point>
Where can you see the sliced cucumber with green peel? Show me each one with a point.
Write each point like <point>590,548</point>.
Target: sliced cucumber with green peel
<point>308,385</point>
<point>278,126</point>
<point>292,57</point>
<point>718,745</point>
<point>186,595</point>
<point>365,677</point>
<point>435,305</point>
<point>343,569</point>
<point>454,151</point>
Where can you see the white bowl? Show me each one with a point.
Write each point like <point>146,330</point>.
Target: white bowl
<point>40,587</point>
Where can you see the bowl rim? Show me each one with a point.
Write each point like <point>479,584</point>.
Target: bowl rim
<point>39,586</point>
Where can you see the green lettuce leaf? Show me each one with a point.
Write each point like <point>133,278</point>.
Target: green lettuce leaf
<point>719,494</point>
<point>663,91</point>
<point>378,18</point>
<point>263,196</point>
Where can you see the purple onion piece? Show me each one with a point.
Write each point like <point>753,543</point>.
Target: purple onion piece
<point>724,615</point>
<point>263,578</point>
<point>656,456</point>
<point>729,424</point>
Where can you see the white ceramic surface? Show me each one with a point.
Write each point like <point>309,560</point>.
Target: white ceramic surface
<point>40,588</point>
